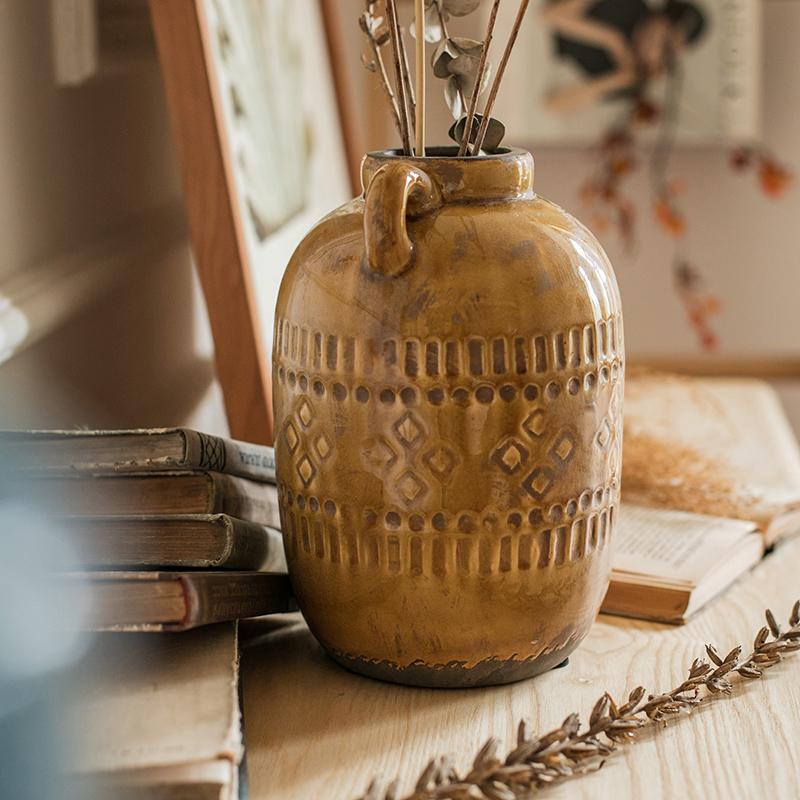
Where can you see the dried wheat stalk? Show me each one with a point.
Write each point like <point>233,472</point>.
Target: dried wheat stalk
<point>568,751</point>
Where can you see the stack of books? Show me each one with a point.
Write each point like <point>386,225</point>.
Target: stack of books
<point>174,536</point>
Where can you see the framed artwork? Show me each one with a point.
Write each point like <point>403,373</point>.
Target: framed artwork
<point>256,120</point>
<point>583,60</point>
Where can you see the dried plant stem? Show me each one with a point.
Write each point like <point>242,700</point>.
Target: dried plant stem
<point>410,96</point>
<point>487,112</point>
<point>419,71</point>
<point>387,86</point>
<point>394,33</point>
<point>473,100</point>
<point>446,35</point>
<point>566,752</point>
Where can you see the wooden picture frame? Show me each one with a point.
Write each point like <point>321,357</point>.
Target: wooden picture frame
<point>217,213</point>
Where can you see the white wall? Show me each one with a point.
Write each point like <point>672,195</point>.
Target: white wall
<point>77,165</point>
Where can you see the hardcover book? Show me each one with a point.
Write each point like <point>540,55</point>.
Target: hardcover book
<point>150,493</point>
<point>185,541</point>
<point>150,450</point>
<point>176,601</point>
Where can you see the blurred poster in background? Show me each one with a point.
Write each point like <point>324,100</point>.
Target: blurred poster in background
<point>582,61</point>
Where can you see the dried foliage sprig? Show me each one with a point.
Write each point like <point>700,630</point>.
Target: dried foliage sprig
<point>378,35</point>
<point>487,111</point>
<point>397,57</point>
<point>460,61</point>
<point>570,750</point>
<point>479,79</point>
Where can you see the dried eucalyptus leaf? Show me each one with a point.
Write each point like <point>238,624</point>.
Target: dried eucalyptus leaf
<point>368,63</point>
<point>464,65</point>
<point>370,23</point>
<point>433,26</point>
<point>442,56</point>
<point>453,97</point>
<point>494,132</point>
<point>494,135</point>
<point>460,8</point>
<point>456,132</point>
<point>466,45</point>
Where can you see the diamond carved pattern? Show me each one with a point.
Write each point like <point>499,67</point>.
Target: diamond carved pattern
<point>306,470</point>
<point>534,424</point>
<point>305,413</point>
<point>510,455</point>
<point>292,439</point>
<point>411,487</point>
<point>408,430</point>
<point>323,446</point>
<point>563,448</point>
<point>440,461</point>
<point>539,482</point>
<point>378,454</point>
<point>603,435</point>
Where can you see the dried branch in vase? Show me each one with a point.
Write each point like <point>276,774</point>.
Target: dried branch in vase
<point>537,762</point>
<point>398,58</point>
<point>458,60</point>
<point>378,35</point>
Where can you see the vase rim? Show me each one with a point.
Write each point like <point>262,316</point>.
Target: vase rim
<point>449,153</point>
<point>505,174</point>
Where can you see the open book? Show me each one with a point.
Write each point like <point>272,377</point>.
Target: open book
<point>711,477</point>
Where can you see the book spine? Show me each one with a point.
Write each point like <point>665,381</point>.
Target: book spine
<point>207,452</point>
<point>252,546</point>
<point>219,597</point>
<point>245,499</point>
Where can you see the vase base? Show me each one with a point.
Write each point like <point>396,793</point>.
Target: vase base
<point>490,672</point>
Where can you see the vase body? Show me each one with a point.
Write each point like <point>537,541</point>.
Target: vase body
<point>448,375</point>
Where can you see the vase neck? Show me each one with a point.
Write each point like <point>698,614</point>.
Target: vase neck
<point>507,175</point>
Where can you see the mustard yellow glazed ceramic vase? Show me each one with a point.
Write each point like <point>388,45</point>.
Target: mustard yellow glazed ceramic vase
<point>448,375</point>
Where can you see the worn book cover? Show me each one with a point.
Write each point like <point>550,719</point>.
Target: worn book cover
<point>181,492</point>
<point>153,449</point>
<point>174,601</point>
<point>182,541</point>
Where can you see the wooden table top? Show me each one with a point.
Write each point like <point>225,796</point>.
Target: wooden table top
<point>313,730</point>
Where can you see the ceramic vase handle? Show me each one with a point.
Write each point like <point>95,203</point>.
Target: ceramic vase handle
<point>395,192</point>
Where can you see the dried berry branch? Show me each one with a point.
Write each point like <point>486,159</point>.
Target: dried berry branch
<point>566,752</point>
<point>487,112</point>
<point>378,36</point>
<point>476,90</point>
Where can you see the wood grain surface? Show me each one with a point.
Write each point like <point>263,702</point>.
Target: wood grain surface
<point>313,730</point>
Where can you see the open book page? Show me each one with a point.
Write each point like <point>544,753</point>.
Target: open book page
<point>719,446</point>
<point>673,546</point>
